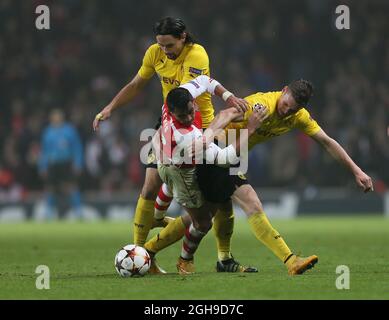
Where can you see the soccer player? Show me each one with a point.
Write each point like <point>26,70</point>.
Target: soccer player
<point>286,112</point>
<point>61,164</point>
<point>176,58</point>
<point>181,127</point>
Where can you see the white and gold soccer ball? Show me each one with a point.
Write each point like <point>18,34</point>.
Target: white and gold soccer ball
<point>132,260</point>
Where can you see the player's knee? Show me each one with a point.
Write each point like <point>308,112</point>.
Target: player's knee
<point>186,219</point>
<point>257,206</point>
<point>151,185</point>
<point>149,193</point>
<point>150,189</point>
<point>253,206</point>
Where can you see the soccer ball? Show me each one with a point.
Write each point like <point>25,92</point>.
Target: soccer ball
<point>132,260</point>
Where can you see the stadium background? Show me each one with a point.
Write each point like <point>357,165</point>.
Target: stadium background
<point>95,47</point>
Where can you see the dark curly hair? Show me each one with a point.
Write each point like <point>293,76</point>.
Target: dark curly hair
<point>178,99</point>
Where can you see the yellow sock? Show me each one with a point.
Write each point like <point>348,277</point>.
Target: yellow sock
<point>268,235</point>
<point>143,220</point>
<point>173,232</point>
<point>223,226</point>
<point>290,260</point>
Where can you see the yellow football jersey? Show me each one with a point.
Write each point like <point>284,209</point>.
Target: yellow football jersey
<point>192,62</point>
<point>274,125</point>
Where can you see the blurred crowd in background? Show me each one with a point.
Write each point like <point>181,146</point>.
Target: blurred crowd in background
<point>94,48</point>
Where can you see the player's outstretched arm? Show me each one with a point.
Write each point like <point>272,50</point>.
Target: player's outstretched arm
<point>221,120</point>
<point>124,96</point>
<point>254,122</point>
<point>203,83</point>
<point>231,100</point>
<point>230,154</point>
<point>336,151</point>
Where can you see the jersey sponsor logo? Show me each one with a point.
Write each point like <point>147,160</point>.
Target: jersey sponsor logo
<point>170,81</point>
<point>195,84</point>
<point>196,71</point>
<point>266,134</point>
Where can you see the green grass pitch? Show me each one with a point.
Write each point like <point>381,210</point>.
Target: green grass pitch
<point>80,257</point>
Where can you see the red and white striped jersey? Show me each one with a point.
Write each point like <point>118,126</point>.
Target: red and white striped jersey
<point>176,137</point>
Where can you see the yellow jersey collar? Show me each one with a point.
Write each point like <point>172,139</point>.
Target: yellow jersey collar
<point>183,54</point>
